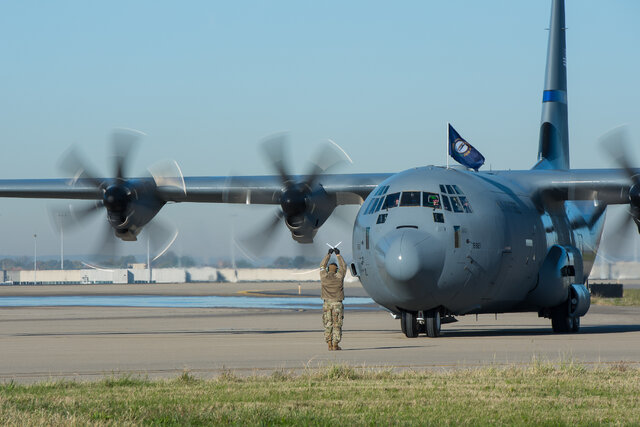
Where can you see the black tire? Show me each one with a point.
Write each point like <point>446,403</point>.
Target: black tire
<point>409,324</point>
<point>562,323</point>
<point>432,323</point>
<point>576,325</point>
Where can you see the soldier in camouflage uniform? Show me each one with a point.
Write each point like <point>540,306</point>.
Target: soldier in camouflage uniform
<point>332,280</point>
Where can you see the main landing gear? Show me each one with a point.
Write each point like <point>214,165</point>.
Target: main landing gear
<point>415,323</point>
<point>562,322</point>
<point>565,318</point>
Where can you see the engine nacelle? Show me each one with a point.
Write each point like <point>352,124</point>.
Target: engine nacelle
<point>134,207</point>
<point>318,206</point>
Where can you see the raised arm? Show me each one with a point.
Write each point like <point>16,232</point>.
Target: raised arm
<point>343,266</point>
<point>323,265</point>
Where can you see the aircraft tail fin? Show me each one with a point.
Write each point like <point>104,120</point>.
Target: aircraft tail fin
<point>553,149</point>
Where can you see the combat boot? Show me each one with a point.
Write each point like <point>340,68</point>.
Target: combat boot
<point>336,346</point>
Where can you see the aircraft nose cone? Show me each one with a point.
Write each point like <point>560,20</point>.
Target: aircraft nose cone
<point>412,254</point>
<point>401,260</point>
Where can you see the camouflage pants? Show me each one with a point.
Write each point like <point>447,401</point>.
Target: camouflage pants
<point>332,317</point>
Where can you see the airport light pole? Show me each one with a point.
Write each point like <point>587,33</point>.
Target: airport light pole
<point>149,257</point>
<point>35,259</point>
<point>61,220</point>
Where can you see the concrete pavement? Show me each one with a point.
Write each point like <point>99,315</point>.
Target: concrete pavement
<point>91,342</point>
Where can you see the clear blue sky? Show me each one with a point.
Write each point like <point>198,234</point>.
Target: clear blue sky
<point>206,80</point>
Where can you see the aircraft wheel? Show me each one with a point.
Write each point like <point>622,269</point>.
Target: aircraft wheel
<point>576,325</point>
<point>432,322</point>
<point>562,323</point>
<point>409,324</point>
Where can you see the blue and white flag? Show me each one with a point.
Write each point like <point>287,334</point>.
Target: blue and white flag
<point>463,152</point>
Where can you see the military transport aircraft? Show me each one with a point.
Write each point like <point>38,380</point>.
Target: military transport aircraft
<point>429,243</point>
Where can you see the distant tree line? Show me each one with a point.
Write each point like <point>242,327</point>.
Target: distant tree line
<point>167,260</point>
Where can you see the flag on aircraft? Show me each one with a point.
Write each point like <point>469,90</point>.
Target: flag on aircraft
<point>463,152</point>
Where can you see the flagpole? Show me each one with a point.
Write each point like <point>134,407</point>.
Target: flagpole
<point>447,154</point>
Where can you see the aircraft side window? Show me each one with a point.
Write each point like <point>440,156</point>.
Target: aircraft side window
<point>382,190</point>
<point>445,202</point>
<point>392,200</point>
<point>410,198</point>
<point>450,190</point>
<point>379,204</point>
<point>466,205</point>
<point>367,210</point>
<point>442,189</point>
<point>457,206</point>
<point>372,208</point>
<point>381,218</point>
<point>438,217</point>
<point>455,187</point>
<point>431,200</point>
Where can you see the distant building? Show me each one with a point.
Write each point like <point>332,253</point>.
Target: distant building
<point>161,275</point>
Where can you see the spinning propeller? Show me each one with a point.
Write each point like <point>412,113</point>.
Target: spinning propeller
<point>304,204</point>
<point>130,203</point>
<point>616,143</point>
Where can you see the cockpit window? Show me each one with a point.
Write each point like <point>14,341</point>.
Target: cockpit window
<point>455,187</point>
<point>457,206</point>
<point>372,203</point>
<point>376,203</point>
<point>410,198</point>
<point>382,190</point>
<point>379,204</point>
<point>442,189</point>
<point>391,201</point>
<point>445,202</point>
<point>466,205</point>
<point>450,190</point>
<point>431,200</point>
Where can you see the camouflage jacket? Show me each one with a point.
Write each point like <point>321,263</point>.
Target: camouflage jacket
<point>332,283</point>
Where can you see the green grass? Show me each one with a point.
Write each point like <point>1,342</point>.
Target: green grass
<point>339,395</point>
<point>630,297</point>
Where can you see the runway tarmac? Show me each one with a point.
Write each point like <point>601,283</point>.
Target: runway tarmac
<point>37,343</point>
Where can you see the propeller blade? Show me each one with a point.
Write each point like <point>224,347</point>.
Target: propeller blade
<point>161,236</point>
<point>597,214</point>
<point>169,175</point>
<point>255,243</point>
<point>73,215</point>
<point>275,149</point>
<point>75,166</point>
<point>123,142</point>
<point>616,143</point>
<point>328,156</point>
<point>104,253</point>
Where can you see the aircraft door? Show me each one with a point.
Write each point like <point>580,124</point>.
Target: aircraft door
<point>362,249</point>
<point>518,265</point>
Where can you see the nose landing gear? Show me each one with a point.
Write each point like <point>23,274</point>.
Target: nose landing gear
<point>428,321</point>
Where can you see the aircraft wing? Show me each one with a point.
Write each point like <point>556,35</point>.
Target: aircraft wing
<point>610,186</point>
<point>347,188</point>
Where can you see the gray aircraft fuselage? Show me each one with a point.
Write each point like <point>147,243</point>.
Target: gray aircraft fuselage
<point>484,257</point>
